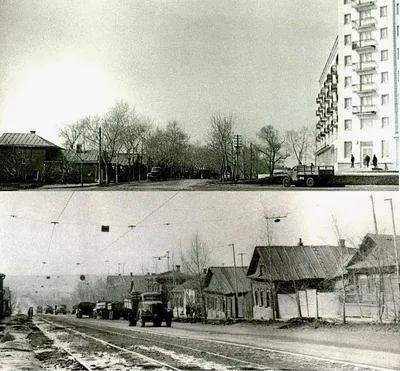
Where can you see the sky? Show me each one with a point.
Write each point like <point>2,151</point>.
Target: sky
<point>31,242</point>
<point>183,60</point>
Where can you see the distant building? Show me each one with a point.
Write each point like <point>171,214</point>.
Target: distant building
<point>358,101</point>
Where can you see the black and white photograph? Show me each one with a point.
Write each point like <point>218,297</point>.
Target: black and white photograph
<point>199,185</point>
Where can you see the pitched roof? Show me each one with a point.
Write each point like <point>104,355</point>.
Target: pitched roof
<point>91,156</point>
<point>221,280</point>
<point>376,250</point>
<point>28,140</point>
<point>292,263</point>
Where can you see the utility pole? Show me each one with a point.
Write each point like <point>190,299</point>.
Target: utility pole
<point>373,213</point>
<point>99,155</point>
<point>237,144</point>
<point>168,261</point>
<point>395,251</point>
<point>241,257</point>
<point>236,283</point>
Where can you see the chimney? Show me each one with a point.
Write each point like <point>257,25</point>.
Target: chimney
<point>79,148</point>
<point>33,132</point>
<point>342,243</point>
<point>178,268</point>
<point>300,243</point>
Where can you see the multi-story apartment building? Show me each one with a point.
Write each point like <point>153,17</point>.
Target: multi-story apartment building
<point>358,102</point>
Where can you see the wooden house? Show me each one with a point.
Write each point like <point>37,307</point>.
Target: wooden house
<point>221,286</point>
<point>294,281</point>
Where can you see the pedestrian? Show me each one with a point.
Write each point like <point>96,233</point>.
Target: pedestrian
<point>352,160</point>
<point>367,160</point>
<point>374,161</point>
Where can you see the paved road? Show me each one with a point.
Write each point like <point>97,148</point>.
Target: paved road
<point>208,185</point>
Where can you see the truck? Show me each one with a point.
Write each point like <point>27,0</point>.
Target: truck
<point>84,308</point>
<point>308,175</point>
<point>100,310</point>
<point>116,310</point>
<point>147,307</point>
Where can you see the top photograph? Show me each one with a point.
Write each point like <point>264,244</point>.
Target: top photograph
<point>200,95</point>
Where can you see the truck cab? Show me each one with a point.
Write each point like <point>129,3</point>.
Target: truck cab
<point>148,307</point>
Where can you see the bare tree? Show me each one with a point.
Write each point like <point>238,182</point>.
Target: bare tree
<point>220,136</point>
<point>300,143</point>
<point>272,147</point>
<point>195,262</point>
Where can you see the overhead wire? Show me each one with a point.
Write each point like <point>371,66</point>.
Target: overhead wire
<point>133,226</point>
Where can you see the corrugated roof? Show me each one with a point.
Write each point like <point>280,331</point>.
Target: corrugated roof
<point>292,263</point>
<point>221,280</point>
<point>25,140</point>
<point>376,250</point>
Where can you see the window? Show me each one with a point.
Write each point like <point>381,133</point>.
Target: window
<point>365,124</point>
<point>347,103</point>
<point>385,99</point>
<point>384,33</point>
<point>347,81</point>
<point>384,77</point>
<point>385,148</point>
<point>366,79</point>
<point>347,39</point>
<point>384,55</point>
<point>365,14</point>
<point>367,57</point>
<point>397,30</point>
<point>347,60</point>
<point>367,35</point>
<point>347,125</point>
<point>347,149</point>
<point>256,298</point>
<point>383,11</point>
<point>385,122</point>
<point>347,18</point>
<point>366,101</point>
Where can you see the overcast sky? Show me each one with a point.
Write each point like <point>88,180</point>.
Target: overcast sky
<point>166,221</point>
<point>179,60</point>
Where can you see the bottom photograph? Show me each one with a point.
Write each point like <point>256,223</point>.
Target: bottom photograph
<point>199,281</point>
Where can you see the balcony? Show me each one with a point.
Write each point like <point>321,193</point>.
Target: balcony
<point>361,5</point>
<point>367,88</point>
<point>365,110</point>
<point>365,67</point>
<point>365,24</point>
<point>364,46</point>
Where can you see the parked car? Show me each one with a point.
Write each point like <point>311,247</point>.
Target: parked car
<point>61,309</point>
<point>49,310</point>
<point>39,309</point>
<point>156,173</point>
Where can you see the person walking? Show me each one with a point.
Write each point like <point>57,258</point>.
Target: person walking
<point>374,161</point>
<point>352,161</point>
<point>367,159</point>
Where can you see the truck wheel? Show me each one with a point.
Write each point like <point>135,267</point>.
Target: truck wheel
<point>310,182</point>
<point>286,181</point>
<point>168,322</point>
<point>100,315</point>
<point>111,315</point>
